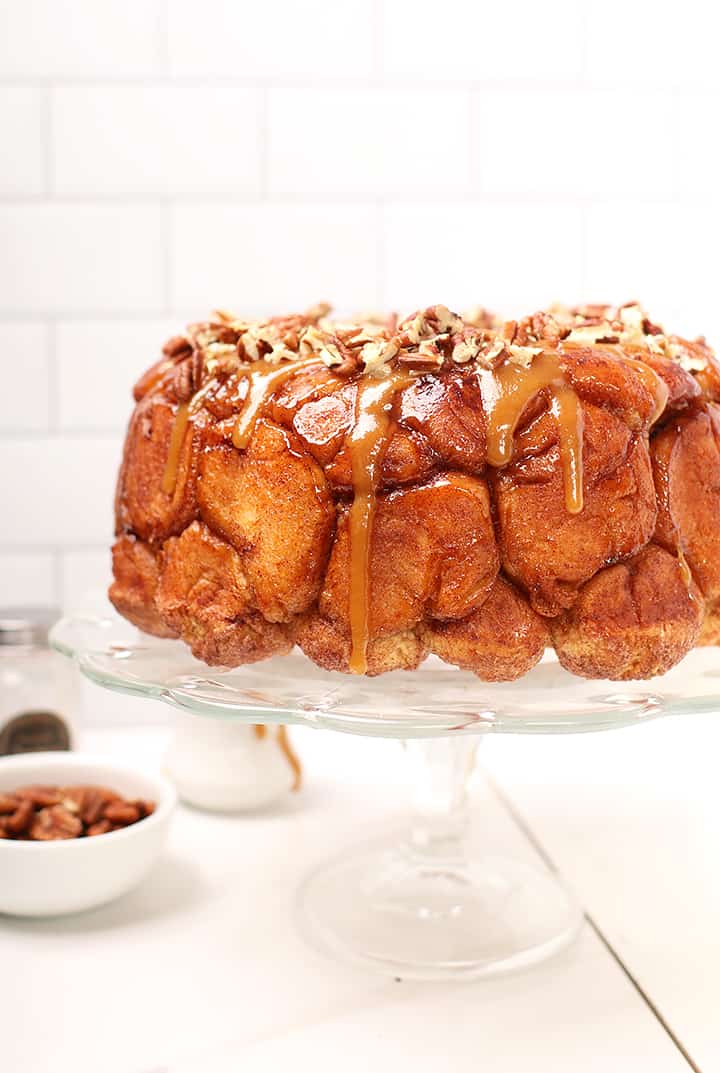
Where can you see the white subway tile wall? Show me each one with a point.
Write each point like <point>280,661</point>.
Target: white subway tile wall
<point>160,157</point>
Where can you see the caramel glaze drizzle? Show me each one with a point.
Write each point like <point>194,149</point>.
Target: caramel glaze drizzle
<point>281,737</point>
<point>185,411</point>
<point>263,378</point>
<point>176,441</point>
<point>506,392</point>
<point>367,442</point>
<point>651,382</point>
<point>685,572</point>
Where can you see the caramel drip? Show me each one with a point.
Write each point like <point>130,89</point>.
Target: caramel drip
<point>283,741</point>
<point>176,441</point>
<point>185,411</point>
<point>568,413</point>
<point>508,390</point>
<point>685,571</point>
<point>291,756</point>
<point>653,383</point>
<point>367,443</point>
<point>263,379</point>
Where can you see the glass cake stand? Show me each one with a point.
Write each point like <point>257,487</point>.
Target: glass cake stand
<point>426,906</point>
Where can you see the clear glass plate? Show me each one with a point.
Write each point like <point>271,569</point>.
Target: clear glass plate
<point>430,905</point>
<point>434,700</point>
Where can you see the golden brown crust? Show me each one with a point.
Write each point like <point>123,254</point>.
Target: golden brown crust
<point>134,589</point>
<point>328,643</point>
<point>273,505</point>
<point>432,552</point>
<point>634,620</point>
<point>551,552</point>
<point>243,548</point>
<point>205,595</point>
<point>499,642</point>
<point>142,507</point>
<point>686,465</point>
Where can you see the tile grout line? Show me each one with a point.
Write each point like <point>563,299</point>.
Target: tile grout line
<point>50,549</point>
<point>534,841</point>
<point>338,83</point>
<point>359,198</point>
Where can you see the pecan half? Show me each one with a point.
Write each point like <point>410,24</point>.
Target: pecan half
<point>8,804</point>
<point>189,376</point>
<point>100,828</point>
<point>39,796</point>
<point>177,347</point>
<point>54,823</point>
<point>122,813</point>
<point>21,819</point>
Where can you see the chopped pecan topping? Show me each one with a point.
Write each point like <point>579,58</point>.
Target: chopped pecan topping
<point>177,347</point>
<point>188,376</point>
<point>431,338</point>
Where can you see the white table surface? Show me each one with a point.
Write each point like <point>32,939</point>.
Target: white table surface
<point>202,970</point>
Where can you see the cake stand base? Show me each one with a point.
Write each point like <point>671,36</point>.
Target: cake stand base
<point>423,907</point>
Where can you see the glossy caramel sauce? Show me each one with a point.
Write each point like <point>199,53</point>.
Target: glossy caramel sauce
<point>367,442</point>
<point>177,436</point>
<point>685,572</point>
<point>291,756</point>
<point>508,389</point>
<point>264,377</point>
<point>281,737</point>
<point>650,380</point>
<point>185,411</point>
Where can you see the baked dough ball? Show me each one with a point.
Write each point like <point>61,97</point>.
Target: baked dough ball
<point>686,464</point>
<point>551,552</point>
<point>134,589</point>
<point>499,642</point>
<point>432,552</point>
<point>272,504</point>
<point>205,595</point>
<point>633,620</point>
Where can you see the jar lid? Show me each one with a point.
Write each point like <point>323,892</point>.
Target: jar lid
<point>26,625</point>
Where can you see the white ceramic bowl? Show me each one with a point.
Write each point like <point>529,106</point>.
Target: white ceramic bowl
<point>51,878</point>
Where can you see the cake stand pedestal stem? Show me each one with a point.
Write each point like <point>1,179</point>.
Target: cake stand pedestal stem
<point>429,904</point>
<point>440,771</point>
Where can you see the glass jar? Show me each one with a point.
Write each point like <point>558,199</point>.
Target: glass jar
<point>39,688</point>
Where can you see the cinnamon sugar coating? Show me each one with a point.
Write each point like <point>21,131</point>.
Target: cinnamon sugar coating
<point>245,551</point>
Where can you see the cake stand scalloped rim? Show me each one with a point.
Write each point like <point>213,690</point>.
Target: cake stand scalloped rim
<point>435,700</point>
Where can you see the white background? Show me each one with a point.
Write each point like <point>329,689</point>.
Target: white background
<point>161,157</point>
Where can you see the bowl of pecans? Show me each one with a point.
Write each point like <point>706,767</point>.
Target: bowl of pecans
<point>76,831</point>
